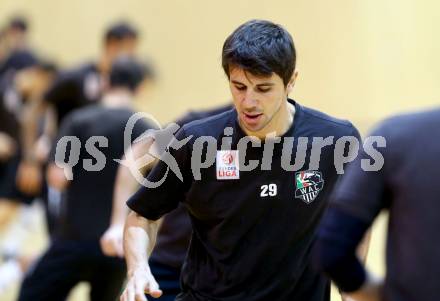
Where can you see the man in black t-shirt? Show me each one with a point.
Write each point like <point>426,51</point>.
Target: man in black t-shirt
<point>16,52</point>
<point>175,230</point>
<point>82,86</point>
<point>90,138</point>
<point>17,93</point>
<point>404,182</point>
<point>254,212</point>
<point>72,89</point>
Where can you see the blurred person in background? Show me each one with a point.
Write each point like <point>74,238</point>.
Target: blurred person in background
<point>405,183</point>
<point>16,53</point>
<point>3,47</point>
<point>175,229</point>
<point>74,253</point>
<point>16,94</point>
<point>72,89</point>
<point>18,91</point>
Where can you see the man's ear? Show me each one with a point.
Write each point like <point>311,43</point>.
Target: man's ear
<point>292,81</point>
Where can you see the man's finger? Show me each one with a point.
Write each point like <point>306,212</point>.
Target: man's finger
<point>140,297</point>
<point>130,294</point>
<point>153,287</point>
<point>123,296</point>
<point>139,290</point>
<point>107,248</point>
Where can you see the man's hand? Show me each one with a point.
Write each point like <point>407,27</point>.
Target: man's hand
<point>345,297</point>
<point>42,149</point>
<point>141,282</point>
<point>7,147</point>
<point>29,177</point>
<point>111,241</point>
<point>56,177</point>
<point>370,291</point>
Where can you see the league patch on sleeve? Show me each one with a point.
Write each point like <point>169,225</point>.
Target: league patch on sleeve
<point>308,185</point>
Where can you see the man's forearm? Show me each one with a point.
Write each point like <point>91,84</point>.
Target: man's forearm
<point>139,240</point>
<point>30,116</point>
<point>126,184</point>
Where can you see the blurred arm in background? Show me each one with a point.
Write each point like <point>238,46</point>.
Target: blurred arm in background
<point>125,185</point>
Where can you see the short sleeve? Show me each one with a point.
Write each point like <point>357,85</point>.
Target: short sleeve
<point>140,128</point>
<point>361,192</point>
<point>169,189</point>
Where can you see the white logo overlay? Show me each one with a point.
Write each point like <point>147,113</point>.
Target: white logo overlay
<point>162,143</point>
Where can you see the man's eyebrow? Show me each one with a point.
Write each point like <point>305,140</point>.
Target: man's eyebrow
<point>265,84</point>
<point>237,82</point>
<point>258,85</point>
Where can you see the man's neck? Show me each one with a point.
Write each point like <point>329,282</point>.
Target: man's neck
<point>103,64</point>
<point>118,98</point>
<point>285,122</point>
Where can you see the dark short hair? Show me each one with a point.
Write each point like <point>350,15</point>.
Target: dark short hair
<point>260,47</point>
<point>47,66</point>
<point>18,60</point>
<point>120,31</point>
<point>18,22</point>
<point>126,72</point>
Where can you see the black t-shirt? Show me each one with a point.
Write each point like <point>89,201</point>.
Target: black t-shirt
<point>17,60</point>
<point>175,230</point>
<point>407,186</point>
<point>74,89</point>
<point>88,200</point>
<point>253,232</point>
<point>11,106</point>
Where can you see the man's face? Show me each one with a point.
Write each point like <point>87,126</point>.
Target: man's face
<point>125,47</point>
<point>33,81</point>
<point>258,100</point>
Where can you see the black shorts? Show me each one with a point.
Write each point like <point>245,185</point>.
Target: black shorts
<point>65,264</point>
<point>8,184</point>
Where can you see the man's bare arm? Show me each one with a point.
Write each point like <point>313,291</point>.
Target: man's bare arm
<point>139,240</point>
<point>29,176</point>
<point>126,183</point>
<point>125,186</point>
<point>30,116</point>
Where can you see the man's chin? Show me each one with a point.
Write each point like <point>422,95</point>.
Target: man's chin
<point>252,129</point>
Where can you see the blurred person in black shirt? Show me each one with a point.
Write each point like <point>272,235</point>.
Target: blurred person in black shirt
<point>175,230</point>
<point>74,253</point>
<point>72,89</point>
<point>16,51</point>
<point>18,91</point>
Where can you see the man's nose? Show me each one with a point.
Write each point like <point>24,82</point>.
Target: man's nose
<point>249,100</point>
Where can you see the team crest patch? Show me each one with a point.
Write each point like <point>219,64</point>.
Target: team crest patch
<point>308,185</point>
<point>227,167</point>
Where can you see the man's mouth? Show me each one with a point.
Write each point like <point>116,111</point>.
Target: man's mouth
<point>251,118</point>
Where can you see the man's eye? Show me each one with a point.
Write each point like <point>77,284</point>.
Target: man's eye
<point>263,90</point>
<point>241,88</point>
